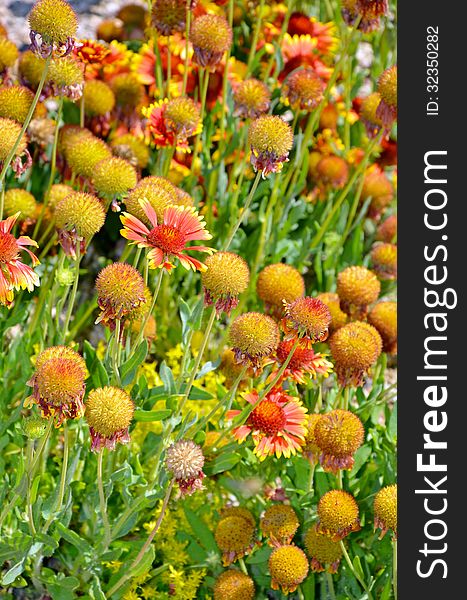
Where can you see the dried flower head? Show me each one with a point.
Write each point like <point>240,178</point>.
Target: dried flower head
<point>226,277</point>
<point>56,23</point>
<point>307,316</point>
<point>235,538</point>
<point>42,131</point>
<point>338,316</point>
<point>288,566</point>
<point>357,287</point>
<point>338,434</point>
<point>99,98</point>
<point>325,554</point>
<point>109,412</point>
<point>211,37</point>
<point>169,16</point>
<point>234,585</point>
<point>303,89</point>
<point>387,89</point>
<point>280,523</point>
<point>9,132</point>
<point>114,176</point>
<point>383,316</point>
<point>304,363</point>
<point>253,336</point>
<point>252,98</point>
<point>185,460</point>
<point>158,191</point>
<point>355,347</point>
<point>58,384</point>
<point>279,282</point>
<point>78,217</point>
<point>385,509</point>
<point>120,289</point>
<point>384,259</point>
<point>15,102</point>
<point>338,515</point>
<point>20,201</point>
<point>270,139</point>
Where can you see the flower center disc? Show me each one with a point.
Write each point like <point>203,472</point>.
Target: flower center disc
<point>268,418</point>
<point>169,239</point>
<point>8,247</point>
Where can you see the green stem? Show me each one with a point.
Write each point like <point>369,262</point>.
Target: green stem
<point>242,565</point>
<point>146,545</point>
<point>115,348</point>
<point>394,566</point>
<point>224,87</point>
<point>29,453</point>
<point>204,92</point>
<point>243,212</point>
<point>354,572</point>
<point>158,65</point>
<point>102,501</point>
<point>187,44</point>
<point>72,299</point>
<point>254,41</point>
<point>330,585</point>
<point>169,68</point>
<point>144,322</point>
<point>2,201</point>
<point>63,473</point>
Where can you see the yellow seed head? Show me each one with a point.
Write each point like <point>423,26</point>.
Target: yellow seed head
<point>120,289</point>
<point>19,200</point>
<point>279,282</point>
<point>309,316</point>
<point>30,68</point>
<point>109,410</point>
<point>54,20</point>
<point>252,98</point>
<point>385,509</point>
<point>357,286</point>
<point>182,117</point>
<point>226,274</point>
<point>311,449</point>
<point>368,109</point>
<point>83,152</point>
<point>34,427</point>
<point>9,132</point>
<point>254,335</point>
<point>280,523</point>
<point>234,536</point>
<point>8,53</point>
<point>238,511</point>
<point>270,135</point>
<point>99,98</point>
<point>136,146</point>
<point>211,36</point>
<point>338,316</point>
<point>57,192</point>
<point>114,176</point>
<point>338,434</point>
<point>15,102</point>
<point>338,514</point>
<point>387,86</point>
<point>64,73</point>
<point>383,316</point>
<point>127,89</point>
<point>384,259</point>
<point>169,16</point>
<point>81,212</point>
<point>288,566</point>
<point>160,193</point>
<point>303,89</point>
<point>234,585</point>
<point>322,551</point>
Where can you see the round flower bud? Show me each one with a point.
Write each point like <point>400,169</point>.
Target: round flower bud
<point>19,200</point>
<point>66,77</point>
<point>80,213</point>
<point>387,231</point>
<point>234,537</point>
<point>34,427</point>
<point>311,449</point>
<point>9,133</point>
<point>332,171</point>
<point>307,316</point>
<point>137,147</point>
<point>357,287</point>
<point>109,412</point>
<point>303,89</point>
<point>54,20</point>
<point>8,53</point>
<point>234,585</point>
<point>168,16</point>
<point>252,98</point>
<point>383,316</point>
<point>182,118</point>
<point>114,176</point>
<point>278,283</point>
<point>83,152</point>
<point>30,68</point>
<point>211,37</point>
<point>270,139</point>
<point>325,554</point>
<point>120,289</point>
<point>185,460</point>
<point>385,509</point>
<point>338,434</point>
<point>226,277</point>
<point>288,567</point>
<point>127,89</point>
<point>338,515</point>
<point>279,523</point>
<point>99,98</point>
<point>355,347</point>
<point>57,192</point>
<point>253,336</point>
<point>15,102</point>
<point>384,259</point>
<point>160,193</point>
<point>338,316</point>
<point>377,187</point>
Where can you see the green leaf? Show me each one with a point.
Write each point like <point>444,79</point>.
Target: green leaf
<point>63,588</point>
<point>167,377</point>
<point>129,368</point>
<point>361,456</point>
<point>392,425</point>
<point>14,572</point>
<point>202,532</point>
<point>73,538</point>
<point>221,463</point>
<point>357,565</point>
<point>148,416</point>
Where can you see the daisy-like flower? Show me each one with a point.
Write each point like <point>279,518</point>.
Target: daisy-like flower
<point>307,316</point>
<point>15,275</point>
<point>53,26</point>
<point>279,282</point>
<point>252,98</point>
<point>357,288</point>
<point>120,290</point>
<point>169,16</point>
<point>172,122</point>
<point>90,52</point>
<point>305,362</point>
<point>211,36</point>
<point>277,424</point>
<point>338,515</point>
<point>168,239</point>
<point>339,434</point>
<point>185,460</point>
<point>253,336</point>
<point>226,277</point>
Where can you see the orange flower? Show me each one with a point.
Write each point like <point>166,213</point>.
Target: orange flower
<point>15,275</point>
<point>305,361</point>
<point>172,122</point>
<point>277,424</point>
<point>168,239</point>
<point>90,52</point>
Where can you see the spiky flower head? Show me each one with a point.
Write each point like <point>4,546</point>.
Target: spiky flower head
<point>34,427</point>
<point>211,36</point>
<point>185,460</point>
<point>127,89</point>
<point>387,89</point>
<point>303,89</point>
<point>9,133</point>
<point>120,289</point>
<point>182,117</point>
<point>338,515</point>
<point>377,187</point>
<point>58,192</point>
<point>288,566</point>
<point>83,151</point>
<point>234,536</point>
<point>338,434</point>
<point>158,191</point>
<point>65,78</point>
<point>280,523</point>
<point>367,11</point>
<point>311,449</point>
<point>15,102</point>
<point>332,172</point>
<point>169,16</point>
<point>252,98</point>
<point>78,217</point>
<point>42,131</point>
<point>135,146</point>
<point>253,336</point>
<point>231,370</point>
<point>109,412</point>
<point>18,200</point>
<point>387,231</point>
<point>307,316</point>
<point>58,384</point>
<point>383,316</point>
<point>325,554</point>
<point>99,98</point>
<point>226,277</point>
<point>355,347</point>
<point>385,509</point>
<point>279,282</point>
<point>114,176</point>
<point>54,20</point>
<point>338,316</point>
<point>8,53</point>
<point>234,585</point>
<point>368,115</point>
<point>270,139</point>
<point>238,511</point>
<point>31,67</point>
<point>384,259</point>
<point>357,287</point>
